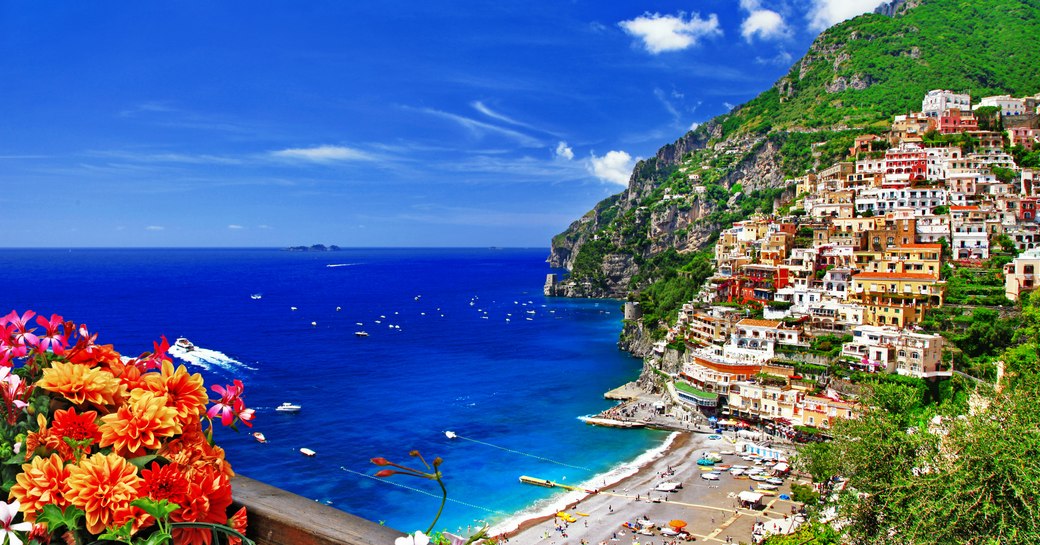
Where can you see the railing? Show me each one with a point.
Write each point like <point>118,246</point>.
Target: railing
<point>279,517</point>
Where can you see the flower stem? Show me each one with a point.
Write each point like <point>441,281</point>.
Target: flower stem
<point>444,499</point>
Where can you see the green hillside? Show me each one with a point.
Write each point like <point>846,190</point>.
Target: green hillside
<point>982,47</point>
<point>853,79</point>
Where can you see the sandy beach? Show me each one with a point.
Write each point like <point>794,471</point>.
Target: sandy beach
<point>710,508</point>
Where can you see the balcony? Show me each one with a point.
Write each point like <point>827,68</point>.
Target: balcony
<point>279,517</point>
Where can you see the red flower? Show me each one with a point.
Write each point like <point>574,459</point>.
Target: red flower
<point>77,427</point>
<point>164,483</point>
<point>207,500</point>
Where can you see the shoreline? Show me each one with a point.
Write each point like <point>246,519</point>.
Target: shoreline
<point>546,510</point>
<point>604,504</point>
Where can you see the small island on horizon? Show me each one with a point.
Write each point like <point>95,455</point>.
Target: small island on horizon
<point>314,248</point>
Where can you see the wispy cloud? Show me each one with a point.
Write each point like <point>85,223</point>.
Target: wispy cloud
<point>826,13</point>
<point>155,228</point>
<point>480,128</point>
<point>482,108</point>
<point>167,157</point>
<point>614,167</point>
<point>782,58</point>
<point>323,154</point>
<point>564,151</point>
<point>235,227</point>
<point>660,33</point>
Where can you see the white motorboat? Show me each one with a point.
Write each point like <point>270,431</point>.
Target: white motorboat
<point>184,344</point>
<point>307,452</point>
<point>360,334</point>
<point>288,408</point>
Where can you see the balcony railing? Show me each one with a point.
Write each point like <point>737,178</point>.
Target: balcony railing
<point>279,517</point>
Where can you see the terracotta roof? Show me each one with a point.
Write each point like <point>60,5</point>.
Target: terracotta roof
<point>892,276</point>
<point>762,323</point>
<point>972,207</point>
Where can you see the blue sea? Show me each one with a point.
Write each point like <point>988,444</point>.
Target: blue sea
<point>458,340</point>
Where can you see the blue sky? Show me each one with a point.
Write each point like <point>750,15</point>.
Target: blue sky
<point>389,123</point>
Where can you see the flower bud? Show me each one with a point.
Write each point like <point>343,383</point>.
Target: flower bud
<point>380,461</point>
<point>385,472</point>
<point>413,453</point>
<point>437,461</point>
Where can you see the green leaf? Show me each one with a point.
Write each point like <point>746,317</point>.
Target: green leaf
<point>56,519</point>
<point>159,510</point>
<point>121,533</point>
<point>142,461</point>
<point>158,538</point>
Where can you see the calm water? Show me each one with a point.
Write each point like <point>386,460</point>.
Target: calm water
<point>466,342</point>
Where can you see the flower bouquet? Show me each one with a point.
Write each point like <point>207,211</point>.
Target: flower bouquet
<point>96,447</point>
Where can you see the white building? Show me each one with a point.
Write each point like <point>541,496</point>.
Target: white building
<point>1008,104</point>
<point>939,100</point>
<point>884,348</point>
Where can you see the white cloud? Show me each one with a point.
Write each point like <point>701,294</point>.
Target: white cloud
<point>565,151</point>
<point>154,228</point>
<point>729,106</point>
<point>694,125</point>
<point>615,167</point>
<point>323,154</point>
<point>234,226</point>
<point>661,33</point>
<point>825,13</point>
<point>763,24</point>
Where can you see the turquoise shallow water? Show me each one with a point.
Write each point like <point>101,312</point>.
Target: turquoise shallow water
<point>465,342</point>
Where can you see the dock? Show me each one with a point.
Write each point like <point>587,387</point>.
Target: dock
<point>552,484</point>
<point>610,422</point>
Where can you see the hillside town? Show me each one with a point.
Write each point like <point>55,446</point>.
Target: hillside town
<point>846,273</point>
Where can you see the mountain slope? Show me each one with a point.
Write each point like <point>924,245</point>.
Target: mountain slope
<point>854,78</point>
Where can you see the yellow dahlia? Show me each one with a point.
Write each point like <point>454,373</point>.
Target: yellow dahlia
<point>80,384</point>
<point>103,487</point>
<point>41,482</point>
<point>141,423</point>
<point>183,391</point>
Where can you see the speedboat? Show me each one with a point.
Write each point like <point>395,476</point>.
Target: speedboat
<point>256,296</point>
<point>360,334</point>
<point>184,344</point>
<point>288,408</point>
<point>307,452</point>
<point>259,437</point>
<point>775,480</point>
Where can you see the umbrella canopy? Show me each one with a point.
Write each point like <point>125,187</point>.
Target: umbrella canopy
<point>677,524</point>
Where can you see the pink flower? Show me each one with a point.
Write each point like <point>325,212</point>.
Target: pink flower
<point>55,337</point>
<point>21,335</point>
<point>230,405</point>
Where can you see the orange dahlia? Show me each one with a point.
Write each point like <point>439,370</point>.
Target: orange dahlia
<point>80,384</point>
<point>103,487</point>
<point>208,499</point>
<point>41,482</point>
<point>237,522</point>
<point>164,483</point>
<point>128,374</point>
<point>103,354</point>
<point>192,450</point>
<point>183,391</point>
<point>140,424</point>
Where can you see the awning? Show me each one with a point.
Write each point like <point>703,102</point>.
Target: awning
<point>751,497</point>
<point>781,467</point>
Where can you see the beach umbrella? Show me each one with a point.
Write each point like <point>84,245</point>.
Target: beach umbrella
<point>677,524</point>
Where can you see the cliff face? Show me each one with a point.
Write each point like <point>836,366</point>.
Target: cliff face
<point>854,77</point>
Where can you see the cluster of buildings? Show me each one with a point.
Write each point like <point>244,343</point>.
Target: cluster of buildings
<point>858,261</point>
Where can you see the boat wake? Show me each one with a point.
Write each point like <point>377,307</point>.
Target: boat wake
<point>208,359</point>
<point>333,265</point>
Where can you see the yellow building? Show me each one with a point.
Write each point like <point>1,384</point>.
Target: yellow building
<point>898,299</point>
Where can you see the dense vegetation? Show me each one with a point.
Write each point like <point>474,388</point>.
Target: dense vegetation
<point>938,472</point>
<point>974,47</point>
